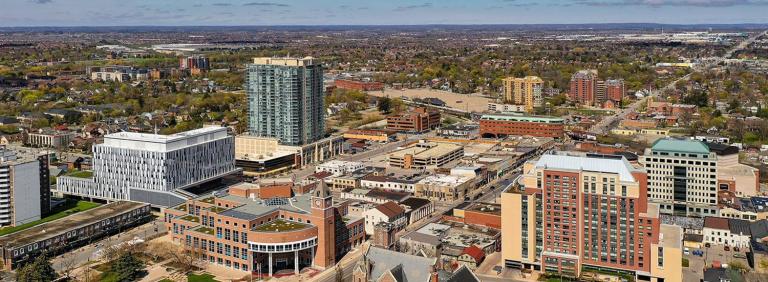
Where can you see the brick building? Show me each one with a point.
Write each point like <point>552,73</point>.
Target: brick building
<point>358,85</point>
<point>418,120</point>
<point>588,213</point>
<point>241,229</point>
<point>497,126</point>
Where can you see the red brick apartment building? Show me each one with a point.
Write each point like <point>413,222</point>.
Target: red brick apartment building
<point>498,126</point>
<point>418,120</point>
<point>582,212</point>
<point>358,85</point>
<point>583,87</point>
<point>243,227</point>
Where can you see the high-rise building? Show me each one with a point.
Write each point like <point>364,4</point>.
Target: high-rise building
<point>583,87</point>
<point>524,91</point>
<point>25,192</point>
<point>194,62</point>
<point>580,212</point>
<point>682,177</point>
<point>153,168</point>
<point>614,90</point>
<point>286,97</point>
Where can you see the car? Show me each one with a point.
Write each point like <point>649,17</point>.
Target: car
<point>736,249</point>
<point>706,245</point>
<point>739,255</point>
<point>727,248</point>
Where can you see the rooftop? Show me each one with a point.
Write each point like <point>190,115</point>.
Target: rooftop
<point>57,227</point>
<point>163,143</point>
<point>415,268</point>
<point>682,146</point>
<point>445,180</point>
<point>425,150</point>
<point>670,236</point>
<point>579,163</point>
<point>522,118</point>
<point>280,226</point>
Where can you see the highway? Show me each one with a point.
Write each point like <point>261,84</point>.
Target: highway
<point>609,122</point>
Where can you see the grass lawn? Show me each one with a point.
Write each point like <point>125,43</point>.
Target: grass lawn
<point>205,277</point>
<point>81,174</point>
<point>70,208</point>
<point>280,226</point>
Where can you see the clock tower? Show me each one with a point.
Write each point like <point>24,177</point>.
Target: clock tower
<point>323,212</point>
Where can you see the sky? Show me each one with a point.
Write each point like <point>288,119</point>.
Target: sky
<point>15,13</point>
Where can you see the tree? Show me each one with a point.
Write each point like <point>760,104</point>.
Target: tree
<point>385,105</point>
<point>38,270</point>
<point>127,267</point>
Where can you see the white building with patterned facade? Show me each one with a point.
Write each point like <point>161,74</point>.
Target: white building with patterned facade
<point>153,168</point>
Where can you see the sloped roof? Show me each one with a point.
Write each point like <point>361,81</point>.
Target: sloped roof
<point>716,223</point>
<point>390,209</point>
<point>462,274</point>
<point>474,252</point>
<point>413,268</point>
<point>677,145</point>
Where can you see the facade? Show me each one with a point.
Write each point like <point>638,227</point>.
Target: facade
<point>381,136</point>
<point>495,107</point>
<point>524,91</point>
<point>417,209</point>
<point>248,147</point>
<point>614,90</point>
<point>25,191</point>
<point>242,231</point>
<point>388,212</point>
<point>495,126</point>
<point>727,232</point>
<point>388,183</point>
<point>285,98</point>
<point>382,265</point>
<point>425,154</point>
<point>418,120</point>
<point>583,87</point>
<point>579,212</point>
<point>358,85</point>
<point>446,188</point>
<point>682,177</point>
<point>741,179</point>
<point>117,73</point>
<point>194,62</point>
<point>337,167</point>
<point>59,236</point>
<point>154,168</point>
<point>50,138</point>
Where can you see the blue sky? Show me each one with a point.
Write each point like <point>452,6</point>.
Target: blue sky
<point>377,12</point>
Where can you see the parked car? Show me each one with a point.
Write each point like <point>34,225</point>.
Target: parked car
<point>740,255</point>
<point>727,248</point>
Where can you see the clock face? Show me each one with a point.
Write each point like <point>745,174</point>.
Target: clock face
<point>318,203</point>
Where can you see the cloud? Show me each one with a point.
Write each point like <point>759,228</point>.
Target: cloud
<point>42,1</point>
<point>270,4</point>
<point>412,7</point>
<point>686,3</point>
<point>222,4</point>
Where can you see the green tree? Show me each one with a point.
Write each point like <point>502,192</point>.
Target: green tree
<point>40,270</point>
<point>385,105</point>
<point>127,268</point>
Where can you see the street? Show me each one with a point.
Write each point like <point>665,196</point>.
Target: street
<point>80,256</point>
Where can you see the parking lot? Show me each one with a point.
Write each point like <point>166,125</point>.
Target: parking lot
<point>695,270</point>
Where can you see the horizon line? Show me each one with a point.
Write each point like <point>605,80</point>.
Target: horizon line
<point>395,25</point>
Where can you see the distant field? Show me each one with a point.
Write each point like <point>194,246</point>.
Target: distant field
<point>471,102</point>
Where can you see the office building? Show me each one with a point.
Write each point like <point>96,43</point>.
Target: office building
<point>25,191</point>
<point>49,138</point>
<point>417,120</point>
<point>63,235</point>
<point>256,154</point>
<point>576,213</point>
<point>682,177</point>
<point>503,125</point>
<point>285,98</point>
<point>242,229</point>
<point>583,87</point>
<point>155,169</point>
<point>524,91</point>
<point>444,188</point>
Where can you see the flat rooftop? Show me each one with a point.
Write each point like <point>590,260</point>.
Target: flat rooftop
<point>163,143</point>
<point>522,118</point>
<point>488,208</point>
<point>670,236</point>
<point>59,226</point>
<point>622,167</point>
<point>425,150</point>
<point>445,180</point>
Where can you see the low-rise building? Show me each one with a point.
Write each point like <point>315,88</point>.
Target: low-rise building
<point>381,136</point>
<point>505,108</point>
<point>472,257</point>
<point>417,120</point>
<point>417,209</point>
<point>389,212</point>
<point>337,167</point>
<point>376,196</point>
<point>49,138</point>
<point>422,155</point>
<point>498,125</point>
<point>441,187</point>
<point>726,231</point>
<point>388,183</point>
<point>59,236</point>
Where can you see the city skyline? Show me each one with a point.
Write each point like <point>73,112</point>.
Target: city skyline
<point>24,13</point>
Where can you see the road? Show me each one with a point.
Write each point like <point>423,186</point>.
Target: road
<point>88,253</point>
<point>609,122</point>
